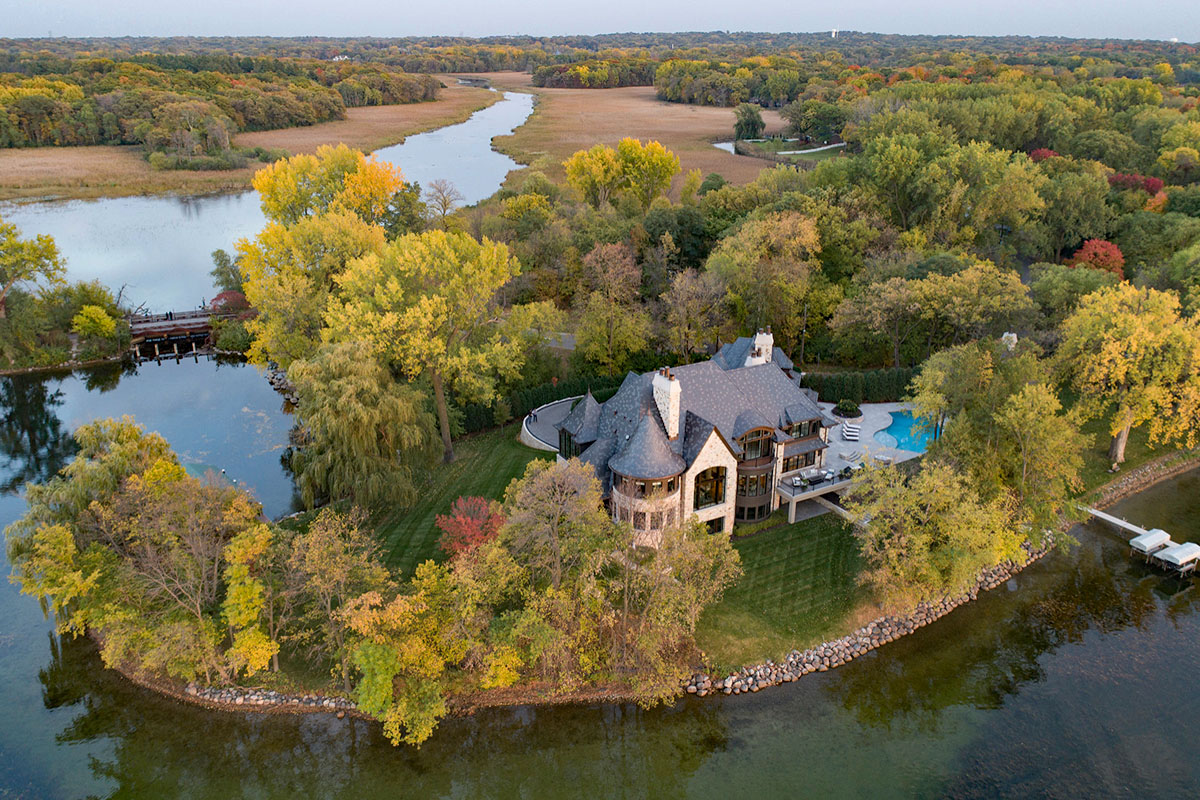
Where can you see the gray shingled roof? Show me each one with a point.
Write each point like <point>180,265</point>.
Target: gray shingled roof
<point>647,454</point>
<point>583,421</point>
<point>803,446</point>
<point>733,355</point>
<point>712,399</point>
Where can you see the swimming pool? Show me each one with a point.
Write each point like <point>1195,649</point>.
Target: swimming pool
<point>903,434</point>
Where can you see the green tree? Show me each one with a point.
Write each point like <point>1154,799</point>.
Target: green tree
<point>366,438</point>
<point>748,122</point>
<point>927,535</point>
<point>609,332</point>
<point>93,322</point>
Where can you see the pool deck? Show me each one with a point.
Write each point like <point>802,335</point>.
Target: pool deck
<point>875,417</point>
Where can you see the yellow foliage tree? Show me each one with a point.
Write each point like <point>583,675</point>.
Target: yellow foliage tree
<point>1132,357</point>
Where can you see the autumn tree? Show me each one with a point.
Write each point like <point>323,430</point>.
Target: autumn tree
<point>336,560</point>
<point>366,437</point>
<point>471,522</point>
<point>646,169</point>
<point>554,518</point>
<point>596,174</point>
<point>1100,254</point>
<point>692,309</point>
<point>26,261</point>
<point>323,211</point>
<point>429,303</point>
<point>1134,359</point>
<point>658,595</point>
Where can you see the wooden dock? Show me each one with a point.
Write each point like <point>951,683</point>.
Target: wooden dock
<point>1115,521</point>
<point>172,334</point>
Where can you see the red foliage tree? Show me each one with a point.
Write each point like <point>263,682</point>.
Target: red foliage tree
<point>1100,254</point>
<point>1042,153</point>
<point>1131,180</point>
<point>471,522</point>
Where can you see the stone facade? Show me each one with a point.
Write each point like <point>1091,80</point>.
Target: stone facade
<point>714,453</point>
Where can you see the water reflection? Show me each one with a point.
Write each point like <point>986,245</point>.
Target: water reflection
<point>33,443</point>
<point>1077,682</point>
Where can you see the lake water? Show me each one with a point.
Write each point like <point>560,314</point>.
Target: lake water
<point>1075,679</point>
<point>158,248</point>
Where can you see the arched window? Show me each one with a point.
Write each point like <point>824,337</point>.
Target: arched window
<point>710,487</point>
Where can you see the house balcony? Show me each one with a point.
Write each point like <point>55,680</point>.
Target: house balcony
<point>812,483</point>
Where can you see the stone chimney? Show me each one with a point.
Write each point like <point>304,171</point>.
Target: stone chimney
<point>761,348</point>
<point>667,397</point>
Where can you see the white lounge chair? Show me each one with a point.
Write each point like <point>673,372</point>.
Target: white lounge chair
<point>853,455</point>
<point>850,434</point>
<point>1151,542</point>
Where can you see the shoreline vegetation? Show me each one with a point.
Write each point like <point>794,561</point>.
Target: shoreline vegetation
<point>104,171</point>
<point>748,679</point>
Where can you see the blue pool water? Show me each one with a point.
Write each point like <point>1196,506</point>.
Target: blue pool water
<point>903,434</point>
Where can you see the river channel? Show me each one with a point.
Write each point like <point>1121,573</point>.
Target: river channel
<point>159,248</point>
<point>1077,678</point>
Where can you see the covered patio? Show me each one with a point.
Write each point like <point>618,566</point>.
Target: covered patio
<point>809,484</point>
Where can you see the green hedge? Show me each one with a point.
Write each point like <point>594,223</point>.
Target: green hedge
<point>873,386</point>
<point>477,417</point>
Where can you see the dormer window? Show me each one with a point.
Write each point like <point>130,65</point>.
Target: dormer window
<point>802,429</point>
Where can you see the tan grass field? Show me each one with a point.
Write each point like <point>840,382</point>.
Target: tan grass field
<point>105,171</point>
<point>567,120</point>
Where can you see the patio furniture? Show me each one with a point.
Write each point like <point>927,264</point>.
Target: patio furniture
<point>850,434</point>
<point>853,455</point>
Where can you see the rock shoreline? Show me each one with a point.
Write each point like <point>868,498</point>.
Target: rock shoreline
<point>279,382</point>
<point>836,652</point>
<point>257,699</point>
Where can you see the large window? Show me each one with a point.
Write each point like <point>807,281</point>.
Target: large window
<point>752,485</point>
<point>793,463</point>
<point>710,487</point>
<point>752,513</point>
<point>567,448</point>
<point>756,444</point>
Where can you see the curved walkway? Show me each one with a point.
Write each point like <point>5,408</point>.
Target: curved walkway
<point>539,423</point>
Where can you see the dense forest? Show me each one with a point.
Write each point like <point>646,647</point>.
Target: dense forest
<point>185,109</point>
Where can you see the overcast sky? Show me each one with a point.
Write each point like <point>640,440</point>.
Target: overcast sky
<point>1127,19</point>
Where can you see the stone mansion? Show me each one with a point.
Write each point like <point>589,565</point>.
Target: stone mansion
<point>720,439</point>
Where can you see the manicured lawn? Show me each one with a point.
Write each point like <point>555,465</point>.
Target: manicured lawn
<point>484,466</point>
<point>1095,458</point>
<point>799,588</point>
